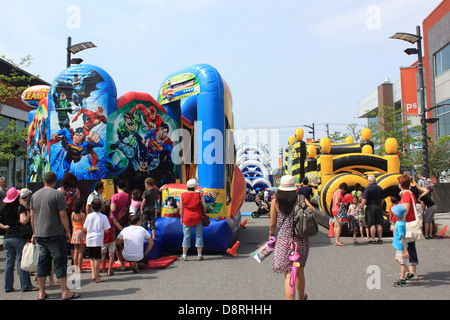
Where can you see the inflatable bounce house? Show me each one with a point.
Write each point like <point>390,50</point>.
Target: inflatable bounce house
<point>328,164</point>
<point>83,128</point>
<point>254,163</point>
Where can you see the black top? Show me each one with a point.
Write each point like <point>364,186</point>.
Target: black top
<point>306,191</point>
<point>10,217</point>
<point>426,199</point>
<point>150,196</point>
<point>373,194</point>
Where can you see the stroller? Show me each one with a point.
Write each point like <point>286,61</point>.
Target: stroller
<point>263,208</point>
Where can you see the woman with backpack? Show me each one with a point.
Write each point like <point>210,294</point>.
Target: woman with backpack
<point>69,187</point>
<point>282,215</point>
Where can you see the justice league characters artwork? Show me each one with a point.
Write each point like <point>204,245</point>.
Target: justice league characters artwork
<point>140,144</point>
<point>38,148</point>
<point>78,98</point>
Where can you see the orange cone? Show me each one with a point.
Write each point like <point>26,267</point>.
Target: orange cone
<point>442,232</point>
<point>331,229</point>
<point>244,223</point>
<point>232,251</point>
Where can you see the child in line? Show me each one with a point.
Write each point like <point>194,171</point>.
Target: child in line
<point>95,226</point>
<point>109,243</point>
<point>353,216</point>
<point>136,201</point>
<point>392,218</point>
<point>78,235</point>
<point>399,243</point>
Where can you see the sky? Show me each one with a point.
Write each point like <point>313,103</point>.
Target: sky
<point>288,63</point>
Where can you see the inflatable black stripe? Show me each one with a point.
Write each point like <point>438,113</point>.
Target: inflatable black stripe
<point>387,176</point>
<point>324,191</point>
<point>357,160</point>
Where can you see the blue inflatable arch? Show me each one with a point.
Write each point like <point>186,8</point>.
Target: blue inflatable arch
<point>204,101</point>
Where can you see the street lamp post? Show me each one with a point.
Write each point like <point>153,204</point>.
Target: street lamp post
<point>417,39</point>
<point>72,49</point>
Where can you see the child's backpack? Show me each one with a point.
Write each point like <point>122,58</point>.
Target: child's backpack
<point>70,199</point>
<point>305,224</point>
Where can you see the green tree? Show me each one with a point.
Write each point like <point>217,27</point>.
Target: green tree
<point>390,125</point>
<point>12,141</point>
<point>352,131</point>
<point>439,156</point>
<point>11,87</point>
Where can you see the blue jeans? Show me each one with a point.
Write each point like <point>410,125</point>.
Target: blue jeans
<point>52,248</point>
<point>187,231</point>
<point>13,251</point>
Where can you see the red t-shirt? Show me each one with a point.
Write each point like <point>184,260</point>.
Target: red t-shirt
<point>109,237</point>
<point>121,200</point>
<point>407,198</point>
<point>337,198</point>
<point>192,208</point>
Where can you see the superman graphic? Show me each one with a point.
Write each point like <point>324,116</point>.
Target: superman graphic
<point>77,145</point>
<point>160,149</point>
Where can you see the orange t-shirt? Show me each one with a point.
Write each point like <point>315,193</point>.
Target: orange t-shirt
<point>192,208</point>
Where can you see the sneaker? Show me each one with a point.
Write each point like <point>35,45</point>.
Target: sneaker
<point>399,283</point>
<point>183,258</point>
<point>411,276</point>
<point>200,258</point>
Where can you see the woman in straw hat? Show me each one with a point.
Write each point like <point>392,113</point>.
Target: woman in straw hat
<point>282,215</point>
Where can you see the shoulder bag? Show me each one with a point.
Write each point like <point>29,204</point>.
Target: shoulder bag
<point>30,257</point>
<point>205,218</point>
<point>414,228</point>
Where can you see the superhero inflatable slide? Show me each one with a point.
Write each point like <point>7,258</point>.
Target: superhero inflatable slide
<point>83,128</point>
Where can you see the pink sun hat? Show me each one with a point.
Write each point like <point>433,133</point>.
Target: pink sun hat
<point>11,195</point>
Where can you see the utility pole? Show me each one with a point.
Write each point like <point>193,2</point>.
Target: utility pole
<point>328,130</point>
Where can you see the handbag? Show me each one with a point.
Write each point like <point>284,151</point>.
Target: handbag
<point>414,228</point>
<point>205,218</point>
<point>30,257</point>
<point>341,216</point>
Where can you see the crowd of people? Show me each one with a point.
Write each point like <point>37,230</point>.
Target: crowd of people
<point>363,210</point>
<point>102,229</point>
<point>63,225</point>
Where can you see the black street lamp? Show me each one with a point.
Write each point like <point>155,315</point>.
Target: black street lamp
<point>417,39</point>
<point>72,49</point>
<point>312,130</point>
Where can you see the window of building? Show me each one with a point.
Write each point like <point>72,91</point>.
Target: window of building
<point>442,60</point>
<point>443,113</point>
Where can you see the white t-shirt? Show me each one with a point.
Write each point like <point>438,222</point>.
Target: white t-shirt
<point>133,238</point>
<point>96,224</point>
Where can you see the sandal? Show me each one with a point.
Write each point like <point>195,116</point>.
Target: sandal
<point>339,244</point>
<point>74,296</point>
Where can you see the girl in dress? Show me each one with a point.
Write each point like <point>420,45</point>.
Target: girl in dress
<point>78,235</point>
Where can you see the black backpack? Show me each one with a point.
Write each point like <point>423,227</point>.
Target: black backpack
<point>305,224</point>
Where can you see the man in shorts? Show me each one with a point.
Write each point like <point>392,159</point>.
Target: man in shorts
<point>51,232</point>
<point>373,197</point>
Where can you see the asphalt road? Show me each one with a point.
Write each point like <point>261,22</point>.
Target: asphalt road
<point>352,272</point>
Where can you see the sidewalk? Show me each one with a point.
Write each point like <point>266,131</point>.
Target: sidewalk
<point>442,220</point>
